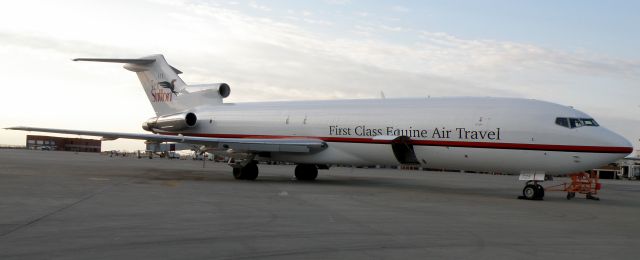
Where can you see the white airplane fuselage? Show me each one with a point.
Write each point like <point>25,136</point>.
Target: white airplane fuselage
<point>506,135</point>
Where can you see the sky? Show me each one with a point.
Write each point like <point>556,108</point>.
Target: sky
<point>583,54</point>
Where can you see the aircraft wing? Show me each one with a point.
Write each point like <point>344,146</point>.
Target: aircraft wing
<point>239,144</point>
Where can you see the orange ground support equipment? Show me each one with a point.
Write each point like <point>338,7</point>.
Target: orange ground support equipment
<point>583,183</point>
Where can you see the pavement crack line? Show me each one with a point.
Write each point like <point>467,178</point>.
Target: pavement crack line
<point>87,197</point>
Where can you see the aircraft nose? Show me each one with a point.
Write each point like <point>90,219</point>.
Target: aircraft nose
<point>616,141</point>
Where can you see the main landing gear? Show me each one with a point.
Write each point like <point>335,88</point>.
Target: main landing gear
<point>306,172</point>
<point>249,171</point>
<point>532,191</point>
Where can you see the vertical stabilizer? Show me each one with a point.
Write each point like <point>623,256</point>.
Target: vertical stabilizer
<point>166,91</point>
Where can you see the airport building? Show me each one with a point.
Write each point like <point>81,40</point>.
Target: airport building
<point>629,168</point>
<point>42,142</point>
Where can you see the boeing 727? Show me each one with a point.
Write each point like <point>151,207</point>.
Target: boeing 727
<point>507,135</point>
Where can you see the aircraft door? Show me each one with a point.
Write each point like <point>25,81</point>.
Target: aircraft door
<point>403,150</point>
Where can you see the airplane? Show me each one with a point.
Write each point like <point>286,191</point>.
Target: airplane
<point>486,134</point>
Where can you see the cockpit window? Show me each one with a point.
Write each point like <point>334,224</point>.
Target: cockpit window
<point>589,122</point>
<point>562,121</point>
<point>575,122</point>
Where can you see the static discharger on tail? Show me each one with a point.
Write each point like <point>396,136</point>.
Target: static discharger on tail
<point>508,135</point>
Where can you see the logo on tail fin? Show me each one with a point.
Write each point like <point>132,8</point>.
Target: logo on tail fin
<point>169,85</point>
<point>163,91</point>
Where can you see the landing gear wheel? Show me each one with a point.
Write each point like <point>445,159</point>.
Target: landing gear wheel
<point>529,192</point>
<point>248,172</point>
<point>237,173</point>
<point>540,194</point>
<point>306,172</point>
<point>533,192</point>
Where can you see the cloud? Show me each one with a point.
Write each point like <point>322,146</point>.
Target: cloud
<point>259,7</point>
<point>229,45</point>
<point>73,48</point>
<point>400,9</point>
<point>337,2</point>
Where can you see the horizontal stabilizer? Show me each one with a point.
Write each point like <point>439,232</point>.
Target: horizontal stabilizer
<point>133,61</point>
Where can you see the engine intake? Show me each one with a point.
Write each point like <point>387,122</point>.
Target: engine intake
<point>224,90</point>
<point>174,122</point>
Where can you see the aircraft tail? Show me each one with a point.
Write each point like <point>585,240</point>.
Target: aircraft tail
<point>166,91</point>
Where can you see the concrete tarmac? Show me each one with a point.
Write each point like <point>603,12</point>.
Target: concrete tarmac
<point>64,205</point>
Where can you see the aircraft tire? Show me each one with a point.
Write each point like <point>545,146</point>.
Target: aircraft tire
<point>529,192</point>
<point>237,173</point>
<point>540,192</point>
<point>248,172</point>
<point>251,171</point>
<point>306,172</point>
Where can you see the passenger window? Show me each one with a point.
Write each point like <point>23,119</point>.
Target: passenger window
<point>561,121</point>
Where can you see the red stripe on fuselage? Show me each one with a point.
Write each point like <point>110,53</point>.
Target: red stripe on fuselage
<point>487,145</point>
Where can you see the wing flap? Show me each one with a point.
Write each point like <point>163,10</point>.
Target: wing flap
<point>238,144</point>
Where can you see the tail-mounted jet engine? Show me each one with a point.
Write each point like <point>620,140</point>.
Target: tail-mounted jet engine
<point>173,122</point>
<point>224,90</point>
<point>219,90</point>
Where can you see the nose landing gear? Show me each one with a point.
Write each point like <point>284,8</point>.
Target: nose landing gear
<point>582,182</point>
<point>532,191</point>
